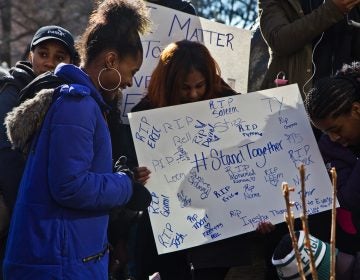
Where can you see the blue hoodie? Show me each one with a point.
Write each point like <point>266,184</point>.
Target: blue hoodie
<point>59,225</point>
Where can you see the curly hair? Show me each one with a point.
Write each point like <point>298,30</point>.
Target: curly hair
<point>114,24</point>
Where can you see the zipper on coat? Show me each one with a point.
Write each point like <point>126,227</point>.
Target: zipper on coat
<point>96,256</point>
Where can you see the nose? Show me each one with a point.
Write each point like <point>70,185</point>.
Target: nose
<point>50,63</point>
<point>334,137</point>
<point>128,82</point>
<point>193,93</point>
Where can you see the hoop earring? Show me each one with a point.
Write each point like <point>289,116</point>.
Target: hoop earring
<point>109,89</point>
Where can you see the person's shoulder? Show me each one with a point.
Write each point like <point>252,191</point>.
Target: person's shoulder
<point>331,150</point>
<point>46,80</point>
<point>226,89</point>
<point>17,77</point>
<point>5,79</point>
<point>144,104</point>
<point>22,72</point>
<point>3,72</point>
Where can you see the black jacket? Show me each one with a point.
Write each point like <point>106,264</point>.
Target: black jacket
<point>11,161</point>
<point>10,86</point>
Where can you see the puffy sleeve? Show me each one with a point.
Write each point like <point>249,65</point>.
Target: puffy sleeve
<point>80,164</point>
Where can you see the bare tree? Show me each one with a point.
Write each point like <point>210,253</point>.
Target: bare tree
<point>25,17</point>
<point>5,12</point>
<point>241,13</point>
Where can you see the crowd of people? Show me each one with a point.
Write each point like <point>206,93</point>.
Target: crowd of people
<point>73,197</point>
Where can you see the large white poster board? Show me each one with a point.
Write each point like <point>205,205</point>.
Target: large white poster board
<point>218,165</point>
<point>230,46</point>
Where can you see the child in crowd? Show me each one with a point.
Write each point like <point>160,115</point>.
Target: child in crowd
<point>333,106</point>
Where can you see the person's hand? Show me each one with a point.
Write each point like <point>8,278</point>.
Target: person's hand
<point>265,227</point>
<point>141,197</point>
<point>141,174</point>
<point>345,6</point>
<point>120,166</point>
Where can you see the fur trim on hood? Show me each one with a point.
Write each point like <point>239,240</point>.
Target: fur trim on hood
<point>25,120</point>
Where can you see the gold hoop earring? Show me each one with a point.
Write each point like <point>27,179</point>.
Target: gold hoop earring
<point>111,89</point>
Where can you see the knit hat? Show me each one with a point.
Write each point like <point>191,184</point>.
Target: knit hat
<point>284,258</point>
<point>54,32</point>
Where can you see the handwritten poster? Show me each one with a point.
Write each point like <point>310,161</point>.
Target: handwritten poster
<point>226,44</point>
<point>218,165</point>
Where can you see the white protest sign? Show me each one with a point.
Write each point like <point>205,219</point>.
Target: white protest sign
<point>218,165</point>
<point>230,46</point>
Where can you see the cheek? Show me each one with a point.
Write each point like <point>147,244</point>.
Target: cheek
<point>113,79</point>
<point>66,60</point>
<point>353,130</point>
<point>183,95</point>
<point>36,66</point>
<point>202,91</point>
<point>126,78</point>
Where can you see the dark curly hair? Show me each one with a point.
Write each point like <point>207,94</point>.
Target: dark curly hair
<point>114,24</point>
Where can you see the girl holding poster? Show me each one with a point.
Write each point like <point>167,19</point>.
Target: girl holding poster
<point>186,72</point>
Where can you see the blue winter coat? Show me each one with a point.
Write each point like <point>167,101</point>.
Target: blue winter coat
<point>59,224</point>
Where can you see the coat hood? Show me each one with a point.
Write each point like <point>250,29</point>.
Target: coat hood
<point>23,121</point>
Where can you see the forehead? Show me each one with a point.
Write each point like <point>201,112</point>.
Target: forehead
<point>194,75</point>
<point>52,45</point>
<point>330,123</point>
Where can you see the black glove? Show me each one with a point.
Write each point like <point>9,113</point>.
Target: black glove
<point>141,197</point>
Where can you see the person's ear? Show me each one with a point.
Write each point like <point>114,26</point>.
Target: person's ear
<point>355,109</point>
<point>31,56</point>
<point>110,59</point>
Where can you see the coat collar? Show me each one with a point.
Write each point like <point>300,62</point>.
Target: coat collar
<point>75,75</point>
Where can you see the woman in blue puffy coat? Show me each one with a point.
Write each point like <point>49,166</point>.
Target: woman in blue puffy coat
<point>59,224</point>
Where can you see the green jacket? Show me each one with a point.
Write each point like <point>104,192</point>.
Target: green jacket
<point>289,35</point>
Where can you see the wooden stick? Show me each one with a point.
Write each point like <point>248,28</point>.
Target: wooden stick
<point>289,218</point>
<point>333,225</point>
<point>305,224</point>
